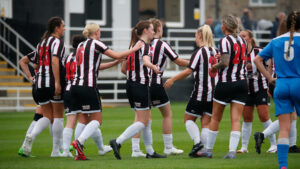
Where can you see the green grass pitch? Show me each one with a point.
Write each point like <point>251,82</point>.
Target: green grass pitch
<point>13,126</point>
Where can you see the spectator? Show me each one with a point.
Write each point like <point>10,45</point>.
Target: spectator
<point>247,23</point>
<point>280,17</point>
<point>209,21</point>
<point>218,31</point>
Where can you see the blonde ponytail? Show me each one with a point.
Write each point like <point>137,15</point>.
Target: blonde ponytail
<point>207,36</point>
<point>89,29</point>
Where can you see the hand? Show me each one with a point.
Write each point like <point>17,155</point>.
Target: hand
<point>272,81</point>
<point>249,66</point>
<point>156,69</point>
<point>213,70</point>
<point>218,56</point>
<point>57,89</point>
<point>269,94</point>
<point>168,84</point>
<point>138,45</point>
<point>32,79</point>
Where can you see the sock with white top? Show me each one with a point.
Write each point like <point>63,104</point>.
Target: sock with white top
<point>246,133</point>
<point>234,140</point>
<point>147,137</point>
<point>97,137</point>
<point>132,130</point>
<point>203,136</point>
<point>41,124</point>
<point>135,142</point>
<point>168,141</point>
<point>67,137</point>
<point>57,129</point>
<point>89,129</point>
<point>272,137</point>
<point>211,139</point>
<point>78,130</point>
<point>193,131</point>
<point>271,129</point>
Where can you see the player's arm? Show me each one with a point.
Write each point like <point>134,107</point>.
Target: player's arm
<point>109,64</point>
<point>260,66</point>
<point>24,66</point>
<point>270,66</point>
<point>181,62</point>
<point>55,70</point>
<point>185,73</point>
<point>123,54</point>
<point>124,67</point>
<point>148,64</point>
<point>224,62</point>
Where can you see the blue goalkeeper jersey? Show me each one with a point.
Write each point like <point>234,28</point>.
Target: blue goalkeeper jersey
<point>285,67</point>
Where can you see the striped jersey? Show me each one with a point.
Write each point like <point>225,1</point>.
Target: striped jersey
<point>201,62</point>
<point>69,63</point>
<point>88,59</point>
<point>136,70</point>
<point>256,80</point>
<point>236,48</point>
<point>160,51</point>
<point>48,48</point>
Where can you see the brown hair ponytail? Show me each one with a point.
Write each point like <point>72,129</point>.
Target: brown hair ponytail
<point>137,31</point>
<point>293,23</point>
<point>51,25</point>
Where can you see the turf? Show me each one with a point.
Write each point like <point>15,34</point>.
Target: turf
<point>14,125</point>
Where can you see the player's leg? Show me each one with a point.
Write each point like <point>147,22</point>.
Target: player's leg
<point>38,114</point>
<point>135,143</point>
<point>293,135</point>
<point>57,127</point>
<point>194,133</point>
<point>283,140</point>
<point>68,133</point>
<point>167,130</point>
<point>246,128</point>
<point>133,129</point>
<point>236,110</point>
<point>205,120</point>
<point>216,118</point>
<point>41,124</point>
<point>263,114</point>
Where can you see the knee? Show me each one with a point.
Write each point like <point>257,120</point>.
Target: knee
<point>167,115</point>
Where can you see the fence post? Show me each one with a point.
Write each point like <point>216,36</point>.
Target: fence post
<point>17,55</point>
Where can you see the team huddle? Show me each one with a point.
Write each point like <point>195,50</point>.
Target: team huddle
<point>236,74</point>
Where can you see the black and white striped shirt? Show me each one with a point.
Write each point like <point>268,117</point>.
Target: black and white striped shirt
<point>160,51</point>
<point>69,63</point>
<point>136,70</point>
<point>201,62</point>
<point>236,48</point>
<point>256,80</point>
<point>88,59</point>
<point>45,51</point>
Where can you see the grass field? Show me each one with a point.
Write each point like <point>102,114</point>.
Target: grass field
<point>14,125</point>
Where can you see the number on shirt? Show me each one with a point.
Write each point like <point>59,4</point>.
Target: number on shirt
<point>291,53</point>
<point>237,49</point>
<point>79,55</point>
<point>70,70</point>
<point>212,60</point>
<point>44,57</point>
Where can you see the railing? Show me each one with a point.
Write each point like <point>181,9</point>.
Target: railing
<point>16,47</point>
<point>18,98</point>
